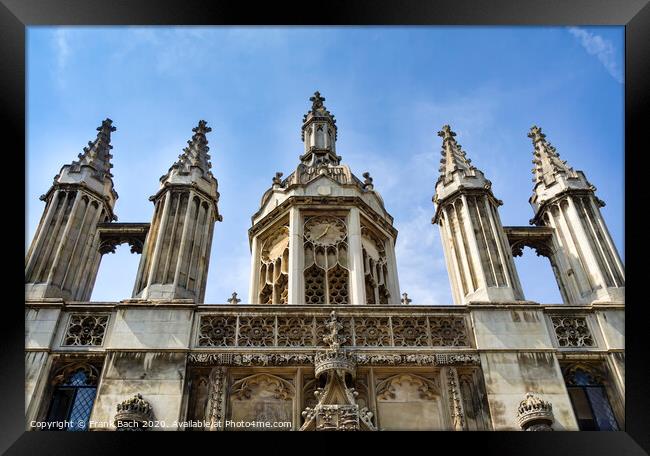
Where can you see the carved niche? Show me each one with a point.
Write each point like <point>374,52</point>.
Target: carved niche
<point>326,260</point>
<point>274,267</point>
<point>262,398</point>
<point>375,267</point>
<point>408,401</point>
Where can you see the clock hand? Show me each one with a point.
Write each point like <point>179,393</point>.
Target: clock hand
<point>324,232</point>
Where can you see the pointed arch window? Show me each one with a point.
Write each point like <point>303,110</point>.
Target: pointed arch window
<point>591,404</point>
<point>73,396</point>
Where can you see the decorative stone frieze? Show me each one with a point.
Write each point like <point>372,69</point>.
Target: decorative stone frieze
<point>535,414</point>
<point>250,359</point>
<point>370,330</point>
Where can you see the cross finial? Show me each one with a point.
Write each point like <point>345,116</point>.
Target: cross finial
<point>233,299</point>
<point>446,133</point>
<point>536,134</point>
<point>107,125</point>
<point>317,101</point>
<point>405,299</point>
<point>202,128</point>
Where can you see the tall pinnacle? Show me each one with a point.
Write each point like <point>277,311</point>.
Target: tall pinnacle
<point>453,156</point>
<point>546,159</point>
<point>319,133</point>
<point>195,155</point>
<point>97,154</point>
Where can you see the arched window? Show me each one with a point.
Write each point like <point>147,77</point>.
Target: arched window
<point>587,390</point>
<point>73,396</point>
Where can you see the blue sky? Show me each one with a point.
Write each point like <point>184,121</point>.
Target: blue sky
<point>390,88</point>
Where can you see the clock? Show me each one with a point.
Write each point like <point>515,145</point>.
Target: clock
<point>324,230</point>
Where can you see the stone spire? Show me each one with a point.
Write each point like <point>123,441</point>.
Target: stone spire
<point>453,156</point>
<point>195,155</point>
<point>176,254</point>
<point>478,259</point>
<point>63,259</point>
<point>552,176</point>
<point>97,154</point>
<point>546,159</point>
<point>319,133</point>
<point>586,262</point>
<point>456,170</point>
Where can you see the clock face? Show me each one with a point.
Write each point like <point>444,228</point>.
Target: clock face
<point>324,230</point>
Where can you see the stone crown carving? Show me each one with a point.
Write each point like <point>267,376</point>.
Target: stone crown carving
<point>135,411</point>
<point>534,410</point>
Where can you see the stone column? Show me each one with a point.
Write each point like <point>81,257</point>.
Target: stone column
<point>253,287</point>
<point>296,258</point>
<point>355,260</point>
<point>393,285</point>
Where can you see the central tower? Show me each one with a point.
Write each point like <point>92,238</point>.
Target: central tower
<point>322,236</point>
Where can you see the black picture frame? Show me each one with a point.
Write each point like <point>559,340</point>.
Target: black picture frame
<point>16,15</point>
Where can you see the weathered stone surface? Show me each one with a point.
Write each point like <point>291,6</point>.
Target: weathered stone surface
<point>326,341</point>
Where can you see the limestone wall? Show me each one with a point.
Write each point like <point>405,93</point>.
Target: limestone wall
<point>159,377</point>
<point>517,357</point>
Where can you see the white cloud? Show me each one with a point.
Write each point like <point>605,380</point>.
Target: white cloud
<point>62,52</point>
<point>601,48</point>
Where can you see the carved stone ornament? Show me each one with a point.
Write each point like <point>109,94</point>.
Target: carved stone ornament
<point>133,414</point>
<point>85,330</point>
<point>250,359</point>
<point>572,331</point>
<point>535,414</point>
<point>337,409</point>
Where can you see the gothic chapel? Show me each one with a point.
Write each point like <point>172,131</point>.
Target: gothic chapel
<point>328,341</point>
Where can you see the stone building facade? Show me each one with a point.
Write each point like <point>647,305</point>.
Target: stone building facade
<point>328,341</point>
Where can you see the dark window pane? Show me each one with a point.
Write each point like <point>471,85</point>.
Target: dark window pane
<point>60,407</point>
<point>602,409</point>
<point>582,409</point>
<point>582,378</point>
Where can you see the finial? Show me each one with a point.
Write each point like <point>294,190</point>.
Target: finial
<point>405,299</point>
<point>333,339</point>
<point>446,133</point>
<point>317,101</point>
<point>202,128</point>
<point>107,124</point>
<point>277,180</point>
<point>233,299</point>
<point>536,134</point>
<point>367,183</point>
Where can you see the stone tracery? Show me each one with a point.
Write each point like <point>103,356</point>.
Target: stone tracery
<point>326,260</point>
<point>274,267</point>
